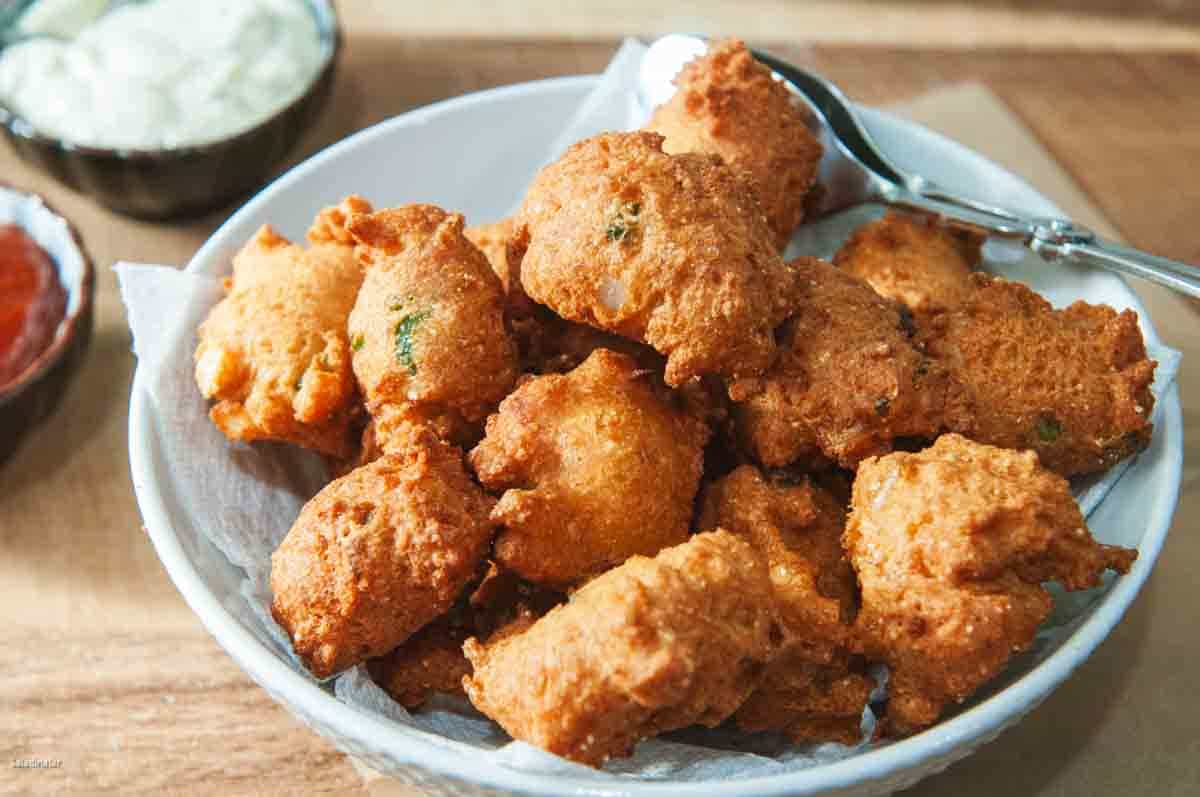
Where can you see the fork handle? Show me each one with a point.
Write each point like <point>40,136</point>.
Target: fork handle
<point>1053,239</point>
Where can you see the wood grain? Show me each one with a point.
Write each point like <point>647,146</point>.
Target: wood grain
<point>105,668</point>
<point>139,713</point>
<point>1106,25</point>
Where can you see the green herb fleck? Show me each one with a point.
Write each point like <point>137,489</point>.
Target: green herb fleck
<point>405,328</point>
<point>357,341</point>
<point>1048,428</point>
<point>623,217</point>
<point>299,383</point>
<point>882,407</point>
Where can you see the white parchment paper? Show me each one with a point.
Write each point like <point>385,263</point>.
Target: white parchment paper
<point>242,500</point>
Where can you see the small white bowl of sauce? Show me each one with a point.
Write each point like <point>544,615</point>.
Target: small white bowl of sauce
<point>164,108</point>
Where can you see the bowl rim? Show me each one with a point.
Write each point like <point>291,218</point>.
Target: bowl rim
<point>418,748</point>
<point>68,328</point>
<point>329,31</point>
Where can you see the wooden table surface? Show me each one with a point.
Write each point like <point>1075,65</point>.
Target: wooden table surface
<point>111,675</point>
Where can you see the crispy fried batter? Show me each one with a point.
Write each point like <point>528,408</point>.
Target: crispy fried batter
<point>729,105</point>
<point>534,328</point>
<point>430,343</point>
<point>1072,385</point>
<point>430,661</point>
<point>951,546</point>
<point>809,702</point>
<point>925,267</point>
<point>848,381</point>
<point>274,354</point>
<point>365,452</point>
<point>565,345</point>
<point>330,225</point>
<point>814,691</point>
<point>669,250</point>
<point>653,645</point>
<point>798,526</point>
<point>596,466</point>
<point>502,598</point>
<point>492,240</point>
<point>379,553</point>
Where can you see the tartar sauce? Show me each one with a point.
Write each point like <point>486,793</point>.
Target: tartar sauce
<point>163,73</point>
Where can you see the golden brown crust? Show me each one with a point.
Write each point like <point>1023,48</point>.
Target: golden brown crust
<point>428,332</point>
<point>565,345</point>
<point>432,661</point>
<point>379,553</point>
<point>848,380</point>
<point>596,466</point>
<point>813,691</point>
<point>492,240</point>
<point>669,250</point>
<point>329,227</point>
<point>925,267</point>
<point>951,546</point>
<point>653,645</point>
<point>1072,385</point>
<point>809,702</point>
<point>429,662</point>
<point>728,104</point>
<point>273,354</point>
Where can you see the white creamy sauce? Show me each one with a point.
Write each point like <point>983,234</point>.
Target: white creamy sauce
<point>161,74</point>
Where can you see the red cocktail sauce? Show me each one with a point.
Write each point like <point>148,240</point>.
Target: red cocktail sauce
<point>32,302</point>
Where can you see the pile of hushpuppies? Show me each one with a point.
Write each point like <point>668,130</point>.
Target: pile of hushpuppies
<point>612,467</point>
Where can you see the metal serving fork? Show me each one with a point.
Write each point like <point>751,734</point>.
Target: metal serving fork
<point>854,171</point>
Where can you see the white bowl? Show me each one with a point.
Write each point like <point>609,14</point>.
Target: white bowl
<point>441,154</point>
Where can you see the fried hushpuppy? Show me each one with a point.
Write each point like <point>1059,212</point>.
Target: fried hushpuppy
<point>329,227</point>
<point>669,250</point>
<point>428,333</point>
<point>814,690</point>
<point>596,465</point>
<point>650,646</point>
<point>728,104</point>
<point>429,662</point>
<point>924,266</point>
<point>849,379</point>
<point>492,240</point>
<point>566,345</point>
<point>809,702</point>
<point>273,354</point>
<point>951,546</point>
<point>432,661</point>
<point>1072,385</point>
<point>377,554</point>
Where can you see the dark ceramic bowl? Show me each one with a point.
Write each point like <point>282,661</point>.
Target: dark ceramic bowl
<point>183,181</point>
<point>32,395</point>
